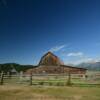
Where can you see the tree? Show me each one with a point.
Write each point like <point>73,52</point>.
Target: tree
<point>5,68</point>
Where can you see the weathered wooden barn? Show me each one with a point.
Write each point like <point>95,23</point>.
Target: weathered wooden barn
<point>51,64</point>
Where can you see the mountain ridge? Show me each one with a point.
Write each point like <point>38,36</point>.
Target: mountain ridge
<point>90,66</point>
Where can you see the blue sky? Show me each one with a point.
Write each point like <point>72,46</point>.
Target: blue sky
<point>68,28</point>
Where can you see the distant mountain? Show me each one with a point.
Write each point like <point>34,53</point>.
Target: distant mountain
<point>90,65</point>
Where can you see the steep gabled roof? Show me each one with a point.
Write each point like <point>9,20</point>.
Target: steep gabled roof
<point>50,59</point>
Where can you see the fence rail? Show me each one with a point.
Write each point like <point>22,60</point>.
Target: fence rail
<point>49,79</point>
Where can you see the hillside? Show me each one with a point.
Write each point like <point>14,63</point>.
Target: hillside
<point>8,67</point>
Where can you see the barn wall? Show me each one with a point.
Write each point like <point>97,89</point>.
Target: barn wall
<point>56,70</point>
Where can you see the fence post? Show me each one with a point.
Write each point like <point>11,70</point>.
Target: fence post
<point>69,79</point>
<point>2,78</point>
<point>31,78</point>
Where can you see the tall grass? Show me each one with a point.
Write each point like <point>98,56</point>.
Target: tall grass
<point>21,92</point>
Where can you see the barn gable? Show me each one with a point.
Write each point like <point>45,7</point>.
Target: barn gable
<point>50,59</point>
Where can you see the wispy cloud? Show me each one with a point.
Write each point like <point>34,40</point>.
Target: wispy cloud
<point>82,59</point>
<point>79,57</point>
<point>57,48</point>
<point>75,54</point>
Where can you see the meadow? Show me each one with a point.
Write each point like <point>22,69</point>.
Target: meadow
<point>22,92</point>
<point>50,88</point>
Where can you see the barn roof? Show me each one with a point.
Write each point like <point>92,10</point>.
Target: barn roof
<point>50,59</point>
<point>73,67</point>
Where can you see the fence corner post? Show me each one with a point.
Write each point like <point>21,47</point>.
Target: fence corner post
<point>2,78</point>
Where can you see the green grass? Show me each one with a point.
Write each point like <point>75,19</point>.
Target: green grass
<point>75,82</point>
<point>20,92</point>
<point>50,89</point>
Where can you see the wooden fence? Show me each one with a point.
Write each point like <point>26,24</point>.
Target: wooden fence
<point>49,79</point>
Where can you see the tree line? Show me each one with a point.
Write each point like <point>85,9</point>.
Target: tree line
<point>8,67</point>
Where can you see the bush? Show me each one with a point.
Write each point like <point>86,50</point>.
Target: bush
<point>41,83</point>
<point>50,83</point>
<point>60,84</point>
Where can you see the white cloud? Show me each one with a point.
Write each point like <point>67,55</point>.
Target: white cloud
<point>79,57</point>
<point>79,54</point>
<point>81,60</point>
<point>57,48</point>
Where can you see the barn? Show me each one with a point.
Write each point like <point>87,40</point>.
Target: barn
<point>51,64</point>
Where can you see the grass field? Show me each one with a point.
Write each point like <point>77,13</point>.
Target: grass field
<point>47,88</point>
<point>21,92</point>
